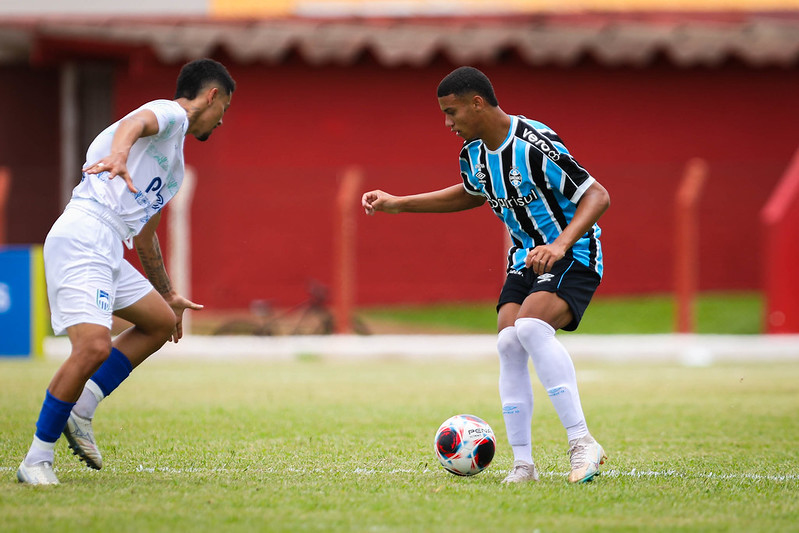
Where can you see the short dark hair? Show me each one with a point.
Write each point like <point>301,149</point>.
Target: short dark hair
<point>200,73</point>
<point>465,80</point>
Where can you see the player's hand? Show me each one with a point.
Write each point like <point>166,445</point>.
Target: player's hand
<point>541,258</point>
<point>179,304</point>
<point>115,165</point>
<point>373,201</point>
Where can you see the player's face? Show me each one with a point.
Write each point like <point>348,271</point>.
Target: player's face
<point>211,117</point>
<point>459,115</point>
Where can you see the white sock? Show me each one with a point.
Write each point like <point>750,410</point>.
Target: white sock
<point>555,369</point>
<point>40,451</point>
<point>516,393</point>
<point>88,401</point>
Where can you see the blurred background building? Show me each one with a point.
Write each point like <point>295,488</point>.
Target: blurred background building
<point>635,88</point>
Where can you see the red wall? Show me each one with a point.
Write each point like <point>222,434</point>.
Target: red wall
<point>267,179</point>
<point>29,147</point>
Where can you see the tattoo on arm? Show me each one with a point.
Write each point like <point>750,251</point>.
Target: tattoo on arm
<point>153,264</point>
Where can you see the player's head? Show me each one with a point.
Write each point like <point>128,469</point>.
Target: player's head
<point>209,87</point>
<point>464,81</point>
<point>467,100</point>
<point>201,73</point>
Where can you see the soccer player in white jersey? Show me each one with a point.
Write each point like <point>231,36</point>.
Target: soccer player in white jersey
<point>550,206</point>
<point>132,169</point>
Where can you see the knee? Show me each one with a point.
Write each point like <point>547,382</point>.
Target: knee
<point>534,328</point>
<point>91,352</point>
<point>507,341</point>
<point>533,333</point>
<point>509,348</point>
<point>164,324</point>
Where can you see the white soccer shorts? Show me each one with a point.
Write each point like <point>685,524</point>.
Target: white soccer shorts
<point>87,275</point>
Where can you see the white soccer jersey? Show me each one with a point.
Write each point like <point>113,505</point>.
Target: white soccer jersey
<point>155,165</point>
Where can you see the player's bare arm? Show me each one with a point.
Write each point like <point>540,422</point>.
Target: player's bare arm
<point>447,200</point>
<point>591,206</point>
<point>140,124</point>
<point>152,261</point>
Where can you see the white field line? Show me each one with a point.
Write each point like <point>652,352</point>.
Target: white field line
<point>690,350</point>
<point>366,472</point>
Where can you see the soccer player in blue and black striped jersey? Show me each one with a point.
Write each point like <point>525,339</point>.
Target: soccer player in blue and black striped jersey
<point>550,206</point>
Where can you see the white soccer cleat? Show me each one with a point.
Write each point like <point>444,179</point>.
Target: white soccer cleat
<point>521,472</point>
<point>80,436</point>
<point>37,474</point>
<point>585,455</point>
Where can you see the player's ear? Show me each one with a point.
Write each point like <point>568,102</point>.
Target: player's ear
<point>211,95</point>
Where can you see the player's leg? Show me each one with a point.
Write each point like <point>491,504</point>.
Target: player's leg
<point>153,322</point>
<point>79,255</point>
<point>515,388</point>
<point>90,346</point>
<point>541,314</point>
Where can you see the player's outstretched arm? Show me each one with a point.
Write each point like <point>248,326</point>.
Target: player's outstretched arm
<point>141,124</point>
<point>448,200</point>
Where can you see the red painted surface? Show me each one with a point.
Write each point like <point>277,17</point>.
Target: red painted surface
<point>267,180</point>
<point>781,229</point>
<point>29,149</point>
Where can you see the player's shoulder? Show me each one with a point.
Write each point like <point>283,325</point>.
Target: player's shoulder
<point>164,106</point>
<point>539,135</point>
<point>524,122</point>
<point>171,116</point>
<point>470,145</point>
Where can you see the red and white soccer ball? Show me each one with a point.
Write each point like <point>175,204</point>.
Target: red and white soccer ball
<point>465,445</point>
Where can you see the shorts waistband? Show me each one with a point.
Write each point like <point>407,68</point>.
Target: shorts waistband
<point>104,214</point>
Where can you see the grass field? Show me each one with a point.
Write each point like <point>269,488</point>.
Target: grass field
<point>320,445</point>
<point>737,313</point>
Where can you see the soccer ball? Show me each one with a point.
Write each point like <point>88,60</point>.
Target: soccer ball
<point>465,445</point>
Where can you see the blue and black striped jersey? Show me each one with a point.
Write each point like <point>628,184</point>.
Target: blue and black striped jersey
<point>533,184</point>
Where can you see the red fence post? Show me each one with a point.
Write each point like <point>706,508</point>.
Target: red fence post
<point>780,223</point>
<point>686,245</point>
<point>5,189</point>
<point>347,207</point>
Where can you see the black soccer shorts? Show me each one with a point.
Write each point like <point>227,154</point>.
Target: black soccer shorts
<point>572,281</point>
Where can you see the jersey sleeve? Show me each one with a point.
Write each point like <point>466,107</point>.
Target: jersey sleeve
<point>170,116</point>
<point>575,179</point>
<point>470,181</point>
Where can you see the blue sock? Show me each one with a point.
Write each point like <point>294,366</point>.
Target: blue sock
<point>52,418</point>
<point>112,372</point>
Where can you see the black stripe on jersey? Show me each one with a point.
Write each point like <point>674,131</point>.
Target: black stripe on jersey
<point>519,213</point>
<point>535,158</point>
<point>491,193</point>
<point>517,245</point>
<point>464,156</point>
<point>575,175</point>
<point>592,250</point>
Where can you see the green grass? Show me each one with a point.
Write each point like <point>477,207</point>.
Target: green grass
<point>718,313</point>
<point>317,445</point>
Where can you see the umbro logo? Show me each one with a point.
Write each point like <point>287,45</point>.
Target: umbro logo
<point>479,174</point>
<point>543,278</point>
